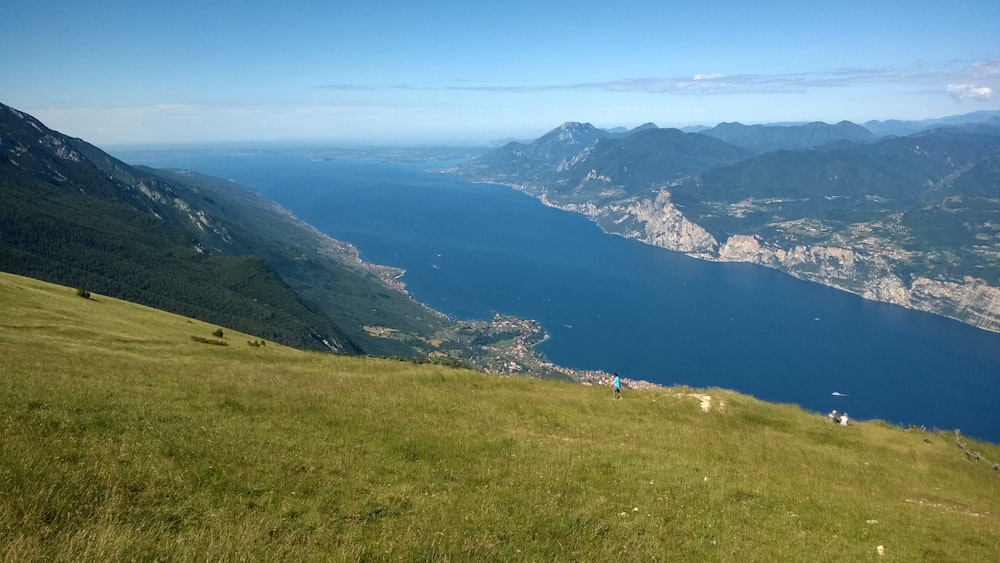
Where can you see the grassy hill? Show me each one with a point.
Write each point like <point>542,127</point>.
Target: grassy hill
<point>126,438</point>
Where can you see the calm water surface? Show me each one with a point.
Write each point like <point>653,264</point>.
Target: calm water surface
<point>613,304</point>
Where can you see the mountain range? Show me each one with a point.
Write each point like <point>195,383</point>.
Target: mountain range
<point>219,252</point>
<point>912,220</point>
<point>124,437</point>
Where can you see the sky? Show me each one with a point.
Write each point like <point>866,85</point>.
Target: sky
<point>203,71</point>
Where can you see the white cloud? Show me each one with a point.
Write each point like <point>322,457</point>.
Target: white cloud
<point>966,82</point>
<point>986,68</point>
<point>970,92</point>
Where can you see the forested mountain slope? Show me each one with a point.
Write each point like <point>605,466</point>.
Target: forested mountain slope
<point>219,252</point>
<point>71,214</point>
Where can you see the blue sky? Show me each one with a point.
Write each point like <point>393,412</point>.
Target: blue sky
<point>380,71</point>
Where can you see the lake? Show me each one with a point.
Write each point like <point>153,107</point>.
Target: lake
<point>613,304</point>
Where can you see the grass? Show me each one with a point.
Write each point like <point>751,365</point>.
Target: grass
<point>124,439</point>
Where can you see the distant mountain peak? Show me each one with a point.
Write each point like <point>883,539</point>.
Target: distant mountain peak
<point>643,127</point>
<point>575,132</point>
<point>563,141</point>
<point>575,125</point>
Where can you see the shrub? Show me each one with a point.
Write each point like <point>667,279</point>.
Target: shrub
<point>83,293</point>
<point>217,333</point>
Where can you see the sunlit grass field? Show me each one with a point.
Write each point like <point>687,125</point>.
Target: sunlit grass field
<point>122,438</point>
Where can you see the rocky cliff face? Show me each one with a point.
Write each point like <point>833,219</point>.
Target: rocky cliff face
<point>972,301</point>
<point>667,227</point>
<point>864,269</point>
<point>869,275</point>
<point>843,268</point>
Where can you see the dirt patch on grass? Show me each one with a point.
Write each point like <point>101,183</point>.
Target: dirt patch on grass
<point>704,401</point>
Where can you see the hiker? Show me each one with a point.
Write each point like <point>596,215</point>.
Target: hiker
<point>843,420</point>
<point>617,385</point>
<point>833,417</point>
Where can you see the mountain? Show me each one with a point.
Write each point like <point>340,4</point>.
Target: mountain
<point>906,220</point>
<point>620,131</point>
<point>71,214</point>
<point>564,141</point>
<point>577,163</point>
<point>981,180</point>
<point>898,127</point>
<point>902,201</point>
<point>899,170</point>
<point>217,251</point>
<point>766,138</point>
<point>525,159</point>
<point>639,161</point>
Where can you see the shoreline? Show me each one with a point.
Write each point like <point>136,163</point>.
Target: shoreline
<point>591,212</point>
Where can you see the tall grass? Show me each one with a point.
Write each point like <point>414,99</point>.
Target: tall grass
<point>123,439</point>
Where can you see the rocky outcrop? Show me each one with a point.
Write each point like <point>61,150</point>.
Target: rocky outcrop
<point>667,227</point>
<point>971,301</point>
<point>859,271</point>
<point>864,266</point>
<point>653,221</point>
<point>742,248</point>
<point>869,276</point>
<point>889,289</point>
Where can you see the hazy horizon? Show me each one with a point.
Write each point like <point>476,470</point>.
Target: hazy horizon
<point>455,72</point>
<point>333,143</point>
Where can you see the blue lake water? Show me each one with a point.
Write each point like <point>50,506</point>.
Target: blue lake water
<point>613,304</point>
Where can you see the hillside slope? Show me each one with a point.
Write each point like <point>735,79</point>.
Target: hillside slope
<point>124,438</point>
<point>70,213</point>
<point>217,251</point>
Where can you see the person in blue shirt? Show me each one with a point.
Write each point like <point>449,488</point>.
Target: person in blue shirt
<point>617,384</point>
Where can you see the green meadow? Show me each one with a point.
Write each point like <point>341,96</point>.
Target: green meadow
<point>131,434</point>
